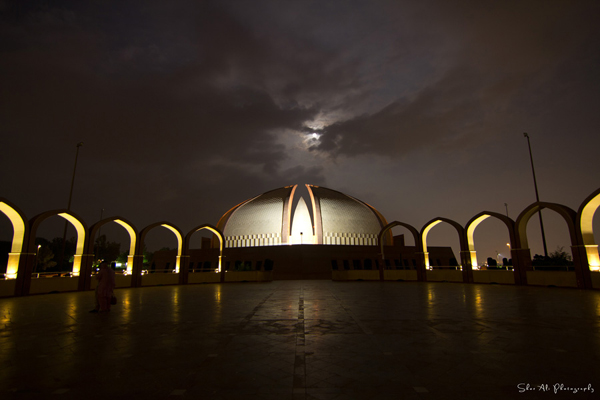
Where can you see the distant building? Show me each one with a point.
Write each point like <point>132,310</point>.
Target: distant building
<point>275,231</point>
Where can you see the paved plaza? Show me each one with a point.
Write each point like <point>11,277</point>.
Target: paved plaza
<point>304,340</point>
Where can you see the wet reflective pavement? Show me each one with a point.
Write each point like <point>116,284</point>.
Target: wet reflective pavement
<point>304,340</point>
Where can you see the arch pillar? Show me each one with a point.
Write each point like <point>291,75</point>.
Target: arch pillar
<point>591,250</point>
<point>23,278</point>
<point>467,269</point>
<point>184,267</point>
<point>521,259</point>
<point>136,270</point>
<point>85,274</point>
<point>421,266</point>
<point>582,267</point>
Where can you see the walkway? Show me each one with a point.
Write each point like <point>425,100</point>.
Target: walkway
<point>303,340</point>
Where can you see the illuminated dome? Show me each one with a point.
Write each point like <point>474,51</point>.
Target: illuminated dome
<point>334,218</point>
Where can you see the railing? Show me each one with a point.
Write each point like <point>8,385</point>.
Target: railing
<point>52,274</point>
<point>445,267</point>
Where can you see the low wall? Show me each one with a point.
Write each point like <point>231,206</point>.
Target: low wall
<point>7,287</point>
<point>595,279</point>
<point>121,281</point>
<point>554,278</point>
<point>439,275</point>
<point>160,279</point>
<point>354,275</point>
<point>405,275</point>
<point>56,284</point>
<point>489,276</point>
<point>536,278</point>
<point>249,276</point>
<point>204,277</point>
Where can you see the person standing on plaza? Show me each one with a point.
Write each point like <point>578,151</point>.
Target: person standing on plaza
<point>106,285</point>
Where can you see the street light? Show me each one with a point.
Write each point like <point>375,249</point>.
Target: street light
<point>537,197</point>
<point>73,179</point>
<point>62,255</point>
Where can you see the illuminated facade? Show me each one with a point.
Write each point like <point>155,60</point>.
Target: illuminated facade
<point>271,219</point>
<point>328,236</point>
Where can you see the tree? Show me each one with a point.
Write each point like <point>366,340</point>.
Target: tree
<point>45,258</point>
<point>148,257</point>
<point>560,257</point>
<point>56,245</point>
<point>122,257</point>
<point>105,250</point>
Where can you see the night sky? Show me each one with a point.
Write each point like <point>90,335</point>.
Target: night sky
<point>187,108</point>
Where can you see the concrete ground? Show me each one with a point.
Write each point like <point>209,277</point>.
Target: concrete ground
<point>304,340</point>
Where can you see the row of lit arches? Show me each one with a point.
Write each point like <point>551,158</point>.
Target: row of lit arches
<point>580,225</point>
<point>21,258</point>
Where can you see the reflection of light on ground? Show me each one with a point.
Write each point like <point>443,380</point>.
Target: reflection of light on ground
<point>430,301</point>
<point>175,311</point>
<point>216,305</point>
<point>74,304</point>
<point>478,302</point>
<point>8,341</point>
<point>218,294</point>
<point>124,304</point>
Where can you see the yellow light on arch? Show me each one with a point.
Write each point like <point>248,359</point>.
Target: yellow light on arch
<point>179,245</point>
<point>80,239</point>
<point>17,242</point>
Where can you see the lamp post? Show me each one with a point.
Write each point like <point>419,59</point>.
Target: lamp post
<point>73,179</point>
<point>62,255</point>
<point>537,197</point>
<point>97,255</point>
<point>37,259</point>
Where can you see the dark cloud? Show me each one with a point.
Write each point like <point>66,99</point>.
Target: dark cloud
<point>509,62</point>
<point>187,108</point>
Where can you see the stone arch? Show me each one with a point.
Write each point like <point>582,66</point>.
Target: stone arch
<point>131,231</point>
<point>567,213</point>
<point>176,231</point>
<point>388,227</point>
<point>139,258</point>
<point>421,276</point>
<point>214,230</point>
<point>465,258</point>
<point>77,223</point>
<point>585,219</point>
<point>20,236</point>
<point>582,271</point>
<point>478,219</point>
<point>186,246</point>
